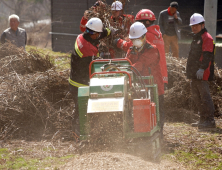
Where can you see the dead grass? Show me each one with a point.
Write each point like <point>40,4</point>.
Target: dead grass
<point>20,154</point>
<point>193,148</point>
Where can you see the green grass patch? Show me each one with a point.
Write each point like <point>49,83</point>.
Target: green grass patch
<point>10,160</point>
<point>60,60</point>
<point>3,151</point>
<point>203,159</point>
<point>194,149</point>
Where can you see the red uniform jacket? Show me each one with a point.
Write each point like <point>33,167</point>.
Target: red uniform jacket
<point>147,63</point>
<point>124,22</point>
<point>207,47</point>
<point>154,36</point>
<point>83,24</point>
<point>84,48</point>
<point>201,56</point>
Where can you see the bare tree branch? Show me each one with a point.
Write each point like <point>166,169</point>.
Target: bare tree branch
<point>10,7</point>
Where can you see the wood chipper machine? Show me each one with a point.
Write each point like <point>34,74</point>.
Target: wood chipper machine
<point>119,104</point>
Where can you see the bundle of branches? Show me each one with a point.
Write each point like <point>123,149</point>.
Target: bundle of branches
<point>103,11</point>
<point>178,95</point>
<point>20,61</point>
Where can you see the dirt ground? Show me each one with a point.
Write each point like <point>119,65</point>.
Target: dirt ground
<point>176,136</point>
<point>107,158</point>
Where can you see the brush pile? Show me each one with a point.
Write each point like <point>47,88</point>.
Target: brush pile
<point>34,101</point>
<point>17,60</point>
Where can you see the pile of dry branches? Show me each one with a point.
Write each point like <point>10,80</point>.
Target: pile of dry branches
<point>178,95</point>
<point>20,61</point>
<point>34,99</point>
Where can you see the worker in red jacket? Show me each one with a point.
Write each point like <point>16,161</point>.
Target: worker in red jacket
<point>153,35</point>
<point>85,50</point>
<point>122,21</point>
<point>200,70</point>
<point>145,58</point>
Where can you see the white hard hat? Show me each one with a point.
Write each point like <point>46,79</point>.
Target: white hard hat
<point>196,19</point>
<point>137,29</point>
<point>95,24</point>
<point>117,5</point>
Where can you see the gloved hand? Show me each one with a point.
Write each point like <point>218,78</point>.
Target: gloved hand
<point>113,31</point>
<point>87,14</point>
<point>115,41</point>
<point>200,73</point>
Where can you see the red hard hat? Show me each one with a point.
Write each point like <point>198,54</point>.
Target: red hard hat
<point>145,14</point>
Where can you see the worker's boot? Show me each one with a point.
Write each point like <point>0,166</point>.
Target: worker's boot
<point>207,124</point>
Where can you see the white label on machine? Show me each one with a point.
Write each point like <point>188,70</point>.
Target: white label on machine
<point>107,87</point>
<point>105,105</point>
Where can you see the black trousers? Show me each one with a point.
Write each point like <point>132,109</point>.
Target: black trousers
<point>80,74</point>
<point>202,98</point>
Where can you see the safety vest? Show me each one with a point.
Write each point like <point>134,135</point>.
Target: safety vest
<point>84,48</point>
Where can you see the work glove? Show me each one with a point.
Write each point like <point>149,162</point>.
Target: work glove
<point>115,41</point>
<point>113,31</point>
<point>200,73</point>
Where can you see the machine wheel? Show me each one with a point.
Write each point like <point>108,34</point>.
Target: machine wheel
<point>156,142</point>
<point>148,148</point>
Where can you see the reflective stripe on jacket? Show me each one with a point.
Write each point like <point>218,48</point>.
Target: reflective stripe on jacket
<point>84,48</point>
<point>73,83</point>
